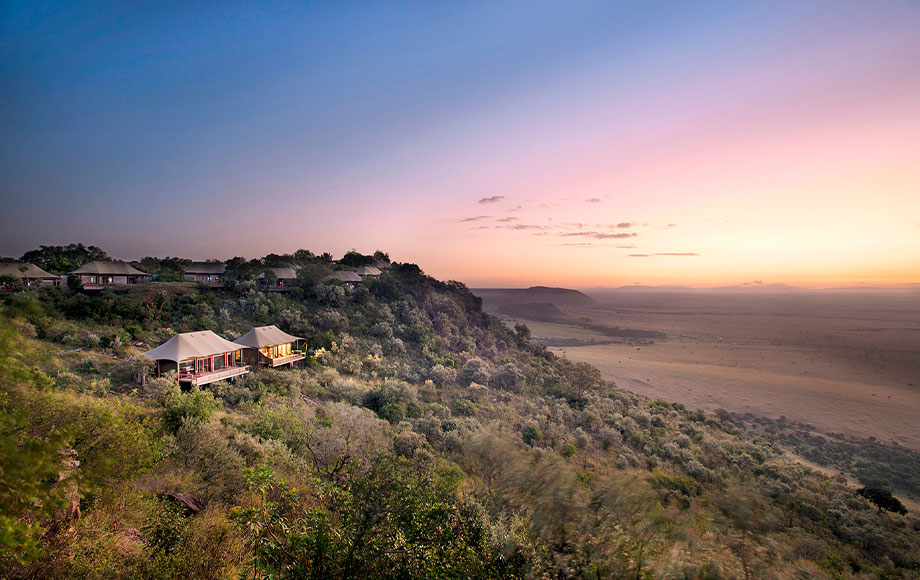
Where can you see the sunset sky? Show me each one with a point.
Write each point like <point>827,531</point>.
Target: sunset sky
<point>500,144</point>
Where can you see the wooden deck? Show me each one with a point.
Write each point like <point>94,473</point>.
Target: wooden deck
<point>284,360</point>
<point>219,375</point>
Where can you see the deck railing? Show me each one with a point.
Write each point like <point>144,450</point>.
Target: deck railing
<point>295,355</point>
<point>204,378</point>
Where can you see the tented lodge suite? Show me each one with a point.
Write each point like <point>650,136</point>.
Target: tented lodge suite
<point>203,357</point>
<point>100,274</point>
<point>29,275</point>
<point>269,346</point>
<point>199,358</point>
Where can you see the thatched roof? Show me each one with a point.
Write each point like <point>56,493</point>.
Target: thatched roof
<point>205,268</point>
<point>345,276</point>
<point>281,273</point>
<point>109,268</point>
<point>23,270</point>
<point>368,271</point>
<point>192,345</point>
<point>262,336</point>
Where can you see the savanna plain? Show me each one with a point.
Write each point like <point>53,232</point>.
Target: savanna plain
<point>844,362</point>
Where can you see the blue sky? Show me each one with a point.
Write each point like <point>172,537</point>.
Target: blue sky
<point>240,129</point>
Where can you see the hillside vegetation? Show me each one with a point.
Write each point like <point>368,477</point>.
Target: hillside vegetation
<point>424,439</point>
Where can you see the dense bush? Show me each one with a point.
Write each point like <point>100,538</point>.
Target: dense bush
<point>423,439</point>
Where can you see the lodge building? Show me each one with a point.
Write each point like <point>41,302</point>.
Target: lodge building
<point>210,273</point>
<point>199,358</point>
<point>29,274</point>
<point>100,274</point>
<point>269,346</point>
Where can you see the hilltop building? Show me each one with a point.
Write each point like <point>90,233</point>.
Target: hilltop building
<point>269,346</point>
<point>29,274</point>
<point>210,273</point>
<point>368,271</point>
<point>100,274</point>
<point>351,279</point>
<point>199,358</point>
<point>286,280</point>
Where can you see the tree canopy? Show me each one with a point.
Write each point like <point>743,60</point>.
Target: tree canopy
<point>63,259</point>
<point>883,500</point>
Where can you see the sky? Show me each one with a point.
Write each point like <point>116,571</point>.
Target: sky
<point>575,144</point>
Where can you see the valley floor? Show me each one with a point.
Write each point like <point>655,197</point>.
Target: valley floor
<point>840,366</point>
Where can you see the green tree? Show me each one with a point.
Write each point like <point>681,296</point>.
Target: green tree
<point>29,459</point>
<point>63,259</point>
<point>194,406</point>
<point>401,519</point>
<point>356,259</point>
<point>380,256</point>
<point>532,434</point>
<point>270,278</point>
<point>883,500</point>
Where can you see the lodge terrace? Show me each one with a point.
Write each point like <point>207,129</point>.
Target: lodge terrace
<point>199,358</point>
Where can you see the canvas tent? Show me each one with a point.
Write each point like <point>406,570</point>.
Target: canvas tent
<point>285,278</point>
<point>350,278</point>
<point>270,346</point>
<point>199,357</point>
<point>210,273</point>
<point>29,274</point>
<point>100,273</point>
<point>368,271</point>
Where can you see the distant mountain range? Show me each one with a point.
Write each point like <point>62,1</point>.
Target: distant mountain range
<point>750,288</point>
<point>559,297</point>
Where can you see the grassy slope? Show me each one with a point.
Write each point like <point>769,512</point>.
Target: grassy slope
<point>542,468</point>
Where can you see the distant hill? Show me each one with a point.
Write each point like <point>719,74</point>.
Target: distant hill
<point>759,288</point>
<point>559,297</point>
<point>676,288</point>
<point>525,304</point>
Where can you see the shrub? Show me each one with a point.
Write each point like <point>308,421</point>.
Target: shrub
<point>464,407</point>
<point>393,400</point>
<point>532,434</point>
<point>194,406</point>
<point>441,375</point>
<point>474,370</point>
<point>508,378</point>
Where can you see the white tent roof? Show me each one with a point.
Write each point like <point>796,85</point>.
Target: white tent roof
<point>345,276</point>
<point>205,268</point>
<point>24,270</point>
<point>281,273</point>
<point>109,268</point>
<point>192,345</point>
<point>261,336</point>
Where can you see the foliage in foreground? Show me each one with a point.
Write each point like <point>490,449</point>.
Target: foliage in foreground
<point>424,440</point>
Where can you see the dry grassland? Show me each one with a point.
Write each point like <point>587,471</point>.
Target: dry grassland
<point>843,362</point>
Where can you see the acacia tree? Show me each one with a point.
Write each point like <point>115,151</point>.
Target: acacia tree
<point>883,500</point>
